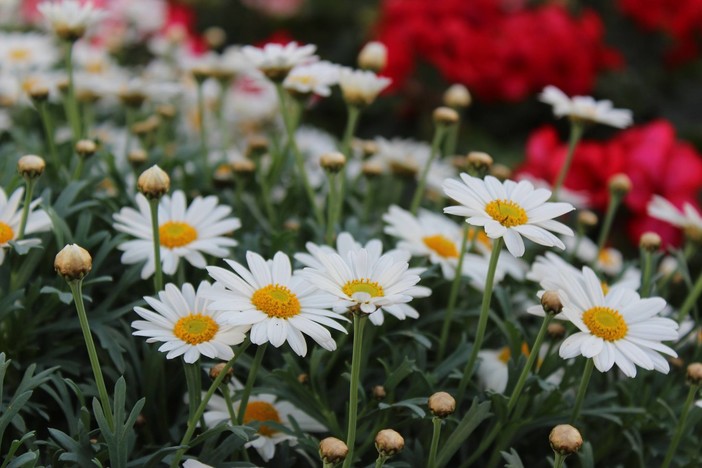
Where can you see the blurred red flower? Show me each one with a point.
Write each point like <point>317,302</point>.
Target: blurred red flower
<point>650,155</point>
<point>501,50</point>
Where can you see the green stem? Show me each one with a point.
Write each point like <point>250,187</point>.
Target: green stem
<point>331,207</point>
<point>647,273</point>
<point>558,460</point>
<point>451,139</point>
<point>158,274</point>
<point>691,299</point>
<point>614,200</point>
<point>692,394</point>
<point>368,198</point>
<point>582,390</point>
<point>380,461</point>
<point>244,401</point>
<point>203,130</point>
<point>435,150</point>
<point>351,125</point>
<point>576,132</point>
<point>25,208</point>
<point>47,123</point>
<point>192,422</point>
<point>482,321</point>
<point>77,290</point>
<point>72,104</point>
<point>434,447</point>
<point>79,168</point>
<point>358,324</point>
<point>230,404</point>
<point>453,295</point>
<point>516,393</point>
<point>193,380</point>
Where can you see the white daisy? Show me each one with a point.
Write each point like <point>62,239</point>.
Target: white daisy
<point>186,324</point>
<point>585,108</point>
<point>687,219</point>
<point>609,260</point>
<point>616,328</point>
<point>493,373</point>
<point>252,99</point>
<point>278,303</point>
<point>402,156</point>
<point>260,409</point>
<point>361,88</point>
<point>184,232</point>
<point>578,199</point>
<point>11,218</point>
<point>365,280</point>
<point>314,78</point>
<point>276,60</point>
<point>22,52</point>
<point>69,19</point>
<point>508,210</point>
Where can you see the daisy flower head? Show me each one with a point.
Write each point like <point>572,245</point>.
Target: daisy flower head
<point>617,327</point>
<point>361,88</point>
<point>23,52</point>
<point>276,60</point>
<point>585,108</point>
<point>508,210</point>
<point>184,232</point>
<point>69,19</point>
<point>276,302</point>
<point>364,281</point>
<point>609,260</point>
<point>183,321</point>
<point>260,409</point>
<point>314,78</point>
<point>689,219</point>
<point>11,218</point>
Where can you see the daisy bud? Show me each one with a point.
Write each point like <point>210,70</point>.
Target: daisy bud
<point>244,167</point>
<point>86,148</point>
<point>620,184</point>
<point>379,392</point>
<point>369,148</point>
<point>403,169</point>
<point>333,161</point>
<point>372,169</point>
<point>650,241</point>
<point>587,218</point>
<point>137,157</point>
<point>551,302</point>
<point>215,37</point>
<point>459,162</point>
<point>31,166</point>
<point>373,56</point>
<point>201,73</point>
<point>441,404</point>
<point>565,439</point>
<point>676,362</point>
<point>218,368</point>
<point>445,116</point>
<point>303,378</point>
<point>256,146</point>
<point>292,225</point>
<point>131,97</point>
<point>478,163</point>
<point>501,172</point>
<point>140,421</point>
<point>39,93</point>
<point>332,450</point>
<point>166,111</point>
<point>222,176</point>
<point>154,182</point>
<point>694,373</point>
<point>389,442</point>
<point>556,331</point>
<point>73,262</point>
<point>146,126</point>
<point>457,96</point>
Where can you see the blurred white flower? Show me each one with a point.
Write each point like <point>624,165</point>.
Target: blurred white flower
<point>585,108</point>
<point>276,60</point>
<point>361,88</point>
<point>687,219</point>
<point>70,19</point>
<point>25,52</point>
<point>315,78</point>
<point>11,218</point>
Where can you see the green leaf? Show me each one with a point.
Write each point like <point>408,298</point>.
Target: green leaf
<point>512,459</point>
<point>477,413</point>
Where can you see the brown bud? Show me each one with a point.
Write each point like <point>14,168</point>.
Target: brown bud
<point>457,96</point>
<point>256,146</point>
<point>332,450</point>
<point>154,182</point>
<point>478,162</point>
<point>38,93</point>
<point>445,116</point>
<point>675,362</point>
<point>137,157</point>
<point>587,218</point>
<point>556,330</point>
<point>131,97</point>
<point>218,368</point>
<point>372,169</point>
<point>140,420</point>
<point>694,373</point>
<point>73,262</point>
<point>565,439</point>
<point>369,148</point>
<point>333,161</point>
<point>202,72</point>
<point>373,56</point>
<point>551,302</point>
<point>86,148</point>
<point>222,176</point>
<point>389,442</point>
<point>379,392</point>
<point>292,224</point>
<point>650,241</point>
<point>441,404</point>
<point>215,37</point>
<point>243,167</point>
<point>501,171</point>
<point>620,184</point>
<point>31,166</point>
<point>303,378</point>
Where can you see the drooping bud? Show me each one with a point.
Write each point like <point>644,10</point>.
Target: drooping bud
<point>556,330</point>
<point>73,262</point>
<point>332,450</point>
<point>565,439</point>
<point>154,182</point>
<point>441,404</point>
<point>389,442</point>
<point>137,157</point>
<point>501,172</point>
<point>31,166</point>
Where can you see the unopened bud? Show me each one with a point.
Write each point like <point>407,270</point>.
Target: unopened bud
<point>551,302</point>
<point>373,56</point>
<point>587,218</point>
<point>31,166</point>
<point>620,184</point>
<point>86,148</point>
<point>303,378</point>
<point>379,392</point>
<point>478,163</point>
<point>372,169</point>
<point>556,331</point>
<point>256,146</point>
<point>333,161</point>
<point>201,73</point>
<point>332,450</point>
<point>154,182</point>
<point>137,157</point>
<point>368,148</point>
<point>694,373</point>
<point>166,111</point>
<point>73,262</point>
<point>457,96</point>
<point>132,97</point>
<point>389,442</point>
<point>243,167</point>
<point>292,224</point>
<point>501,172</point>
<point>441,404</point>
<point>215,37</point>
<point>565,439</point>
<point>222,176</point>
<point>39,93</point>
<point>218,369</point>
<point>445,116</point>
<point>650,241</point>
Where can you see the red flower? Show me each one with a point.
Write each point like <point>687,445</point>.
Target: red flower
<point>649,154</point>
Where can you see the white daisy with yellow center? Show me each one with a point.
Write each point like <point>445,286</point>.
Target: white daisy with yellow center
<point>11,218</point>
<point>69,19</point>
<point>315,78</point>
<point>689,219</point>
<point>184,232</point>
<point>183,321</point>
<point>618,327</point>
<point>585,108</point>
<point>361,87</point>
<point>276,302</point>
<point>364,280</point>
<point>264,408</point>
<point>493,373</point>
<point>24,52</point>
<point>608,260</point>
<point>508,210</point>
<point>276,60</point>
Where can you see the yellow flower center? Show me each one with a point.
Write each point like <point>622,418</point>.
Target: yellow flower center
<point>6,233</point>
<point>29,83</point>
<point>364,285</point>
<point>20,54</point>
<point>442,245</point>
<point>176,234</point>
<point>605,287</point>
<point>303,80</point>
<point>606,323</point>
<point>95,66</point>
<point>506,353</point>
<point>507,213</point>
<point>276,301</point>
<point>196,328</point>
<point>605,257</point>
<point>262,411</point>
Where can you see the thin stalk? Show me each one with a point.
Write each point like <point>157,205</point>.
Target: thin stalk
<point>614,200</point>
<point>380,461</point>
<point>203,130</point>
<point>435,150</point>
<point>25,208</point>
<point>77,291</point>
<point>331,207</point>
<point>192,422</point>
<point>358,324</point>
<point>558,460</point>
<point>453,295</point>
<point>193,380</point>
<point>73,113</point>
<point>434,447</point>
<point>158,274</point>
<point>647,273</point>
<point>692,394</point>
<point>230,404</point>
<point>582,390</point>
<point>691,299</point>
<point>354,113</point>
<point>576,132</point>
<point>244,401</point>
<point>79,168</point>
<point>482,321</point>
<point>47,123</point>
<point>451,139</point>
